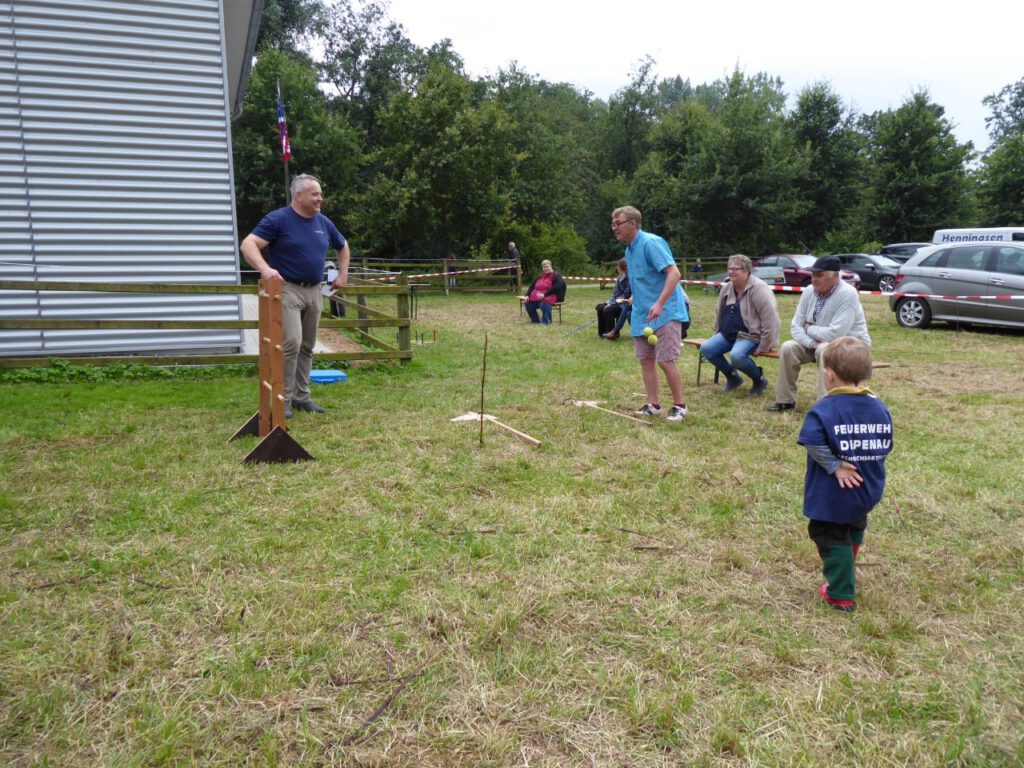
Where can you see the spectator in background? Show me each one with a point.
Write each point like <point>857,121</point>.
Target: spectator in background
<point>746,325</point>
<point>545,291</point>
<point>613,314</point>
<point>828,309</point>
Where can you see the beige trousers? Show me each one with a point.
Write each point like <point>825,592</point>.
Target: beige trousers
<point>300,316</point>
<point>792,356</point>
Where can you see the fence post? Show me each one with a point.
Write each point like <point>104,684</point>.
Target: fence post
<point>404,332</point>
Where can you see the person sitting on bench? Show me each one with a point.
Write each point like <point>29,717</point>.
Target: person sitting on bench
<point>828,308</point>
<point>746,325</point>
<point>613,314</point>
<point>545,291</point>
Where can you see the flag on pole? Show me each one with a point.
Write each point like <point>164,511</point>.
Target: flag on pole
<point>282,127</point>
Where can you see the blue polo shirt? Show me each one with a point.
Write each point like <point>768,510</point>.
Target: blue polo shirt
<point>646,257</point>
<point>857,428</point>
<point>298,246</point>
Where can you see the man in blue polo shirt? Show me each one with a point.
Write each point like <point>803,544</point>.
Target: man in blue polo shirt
<point>659,303</point>
<point>296,239</point>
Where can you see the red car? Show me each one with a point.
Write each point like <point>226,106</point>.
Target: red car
<point>794,269</point>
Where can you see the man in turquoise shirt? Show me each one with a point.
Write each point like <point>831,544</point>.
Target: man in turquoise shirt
<point>658,302</point>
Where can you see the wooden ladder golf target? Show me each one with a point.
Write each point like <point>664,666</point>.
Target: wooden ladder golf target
<point>269,422</point>
<point>474,416</point>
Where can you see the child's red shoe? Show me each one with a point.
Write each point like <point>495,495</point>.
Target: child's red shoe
<point>846,606</point>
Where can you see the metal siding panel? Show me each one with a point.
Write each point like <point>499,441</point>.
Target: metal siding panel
<point>124,134</point>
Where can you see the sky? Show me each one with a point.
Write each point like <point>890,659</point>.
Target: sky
<point>874,54</point>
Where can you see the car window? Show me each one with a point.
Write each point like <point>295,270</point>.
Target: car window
<point>786,263</point>
<point>1010,261</point>
<point>855,262</point>
<point>770,261</point>
<point>885,261</point>
<point>969,257</point>
<point>937,259</point>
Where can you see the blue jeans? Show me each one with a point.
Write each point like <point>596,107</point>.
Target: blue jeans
<point>714,350</point>
<point>624,314</point>
<point>545,311</point>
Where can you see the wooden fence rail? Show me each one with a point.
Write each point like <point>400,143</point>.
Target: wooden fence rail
<point>368,318</point>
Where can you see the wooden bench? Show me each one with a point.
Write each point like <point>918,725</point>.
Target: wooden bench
<point>556,306</point>
<point>773,353</point>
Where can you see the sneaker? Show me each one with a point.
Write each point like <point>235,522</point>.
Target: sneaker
<point>732,381</point>
<point>649,410</point>
<point>780,407</point>
<point>676,413</point>
<point>846,606</point>
<point>611,335</point>
<point>308,405</point>
<point>758,388</point>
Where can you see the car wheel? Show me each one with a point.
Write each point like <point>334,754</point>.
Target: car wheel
<point>913,313</point>
<point>886,284</point>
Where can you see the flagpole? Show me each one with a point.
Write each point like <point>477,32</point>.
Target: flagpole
<point>286,147</point>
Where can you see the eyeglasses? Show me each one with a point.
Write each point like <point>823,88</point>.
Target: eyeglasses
<point>617,224</point>
<point>734,269</point>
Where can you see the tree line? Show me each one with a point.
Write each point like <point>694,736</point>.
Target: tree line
<point>420,160</point>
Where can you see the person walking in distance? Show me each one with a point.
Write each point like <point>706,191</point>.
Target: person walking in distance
<point>296,239</point>
<point>660,303</point>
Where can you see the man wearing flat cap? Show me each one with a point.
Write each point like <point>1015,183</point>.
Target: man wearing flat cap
<point>828,309</point>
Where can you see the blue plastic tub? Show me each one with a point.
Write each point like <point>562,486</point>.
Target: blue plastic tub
<point>327,377</point>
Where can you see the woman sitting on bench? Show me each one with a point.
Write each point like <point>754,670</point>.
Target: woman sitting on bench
<point>546,291</point>
<point>746,325</point>
<point>613,314</point>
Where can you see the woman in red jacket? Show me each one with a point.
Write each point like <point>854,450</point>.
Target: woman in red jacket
<point>546,291</point>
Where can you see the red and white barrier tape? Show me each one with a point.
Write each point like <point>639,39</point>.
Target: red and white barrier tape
<point>448,274</point>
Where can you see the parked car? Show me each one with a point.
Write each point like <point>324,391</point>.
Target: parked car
<point>772,275</point>
<point>796,269</point>
<point>877,273</point>
<point>948,271</point>
<point>901,251</point>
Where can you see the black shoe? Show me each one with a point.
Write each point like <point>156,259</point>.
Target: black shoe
<point>759,387</point>
<point>308,405</point>
<point>732,381</point>
<point>779,407</point>
<point>287,410</point>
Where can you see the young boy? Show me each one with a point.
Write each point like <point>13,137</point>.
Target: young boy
<point>847,435</point>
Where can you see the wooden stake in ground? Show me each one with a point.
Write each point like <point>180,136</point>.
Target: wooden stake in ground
<point>483,377</point>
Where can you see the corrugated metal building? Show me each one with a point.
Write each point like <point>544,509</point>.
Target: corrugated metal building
<point>115,164</point>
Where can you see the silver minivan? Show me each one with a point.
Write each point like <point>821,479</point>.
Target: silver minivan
<point>964,283</point>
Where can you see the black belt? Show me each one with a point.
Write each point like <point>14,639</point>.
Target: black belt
<point>299,282</point>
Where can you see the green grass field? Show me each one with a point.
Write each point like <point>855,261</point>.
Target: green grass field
<point>621,596</point>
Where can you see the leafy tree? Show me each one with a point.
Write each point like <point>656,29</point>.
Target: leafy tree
<point>723,181</point>
<point>1001,182</point>
<point>631,113</point>
<point>1001,176</point>
<point>289,25</point>
<point>824,130</point>
<point>322,143</point>
<point>442,156</point>
<point>367,59</point>
<point>918,179</point>
<point>1007,107</point>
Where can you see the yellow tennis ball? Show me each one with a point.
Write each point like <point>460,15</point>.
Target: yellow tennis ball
<point>652,340</point>
<point>648,331</point>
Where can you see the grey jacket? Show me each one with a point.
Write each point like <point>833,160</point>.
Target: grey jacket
<point>759,312</point>
<point>842,315</point>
